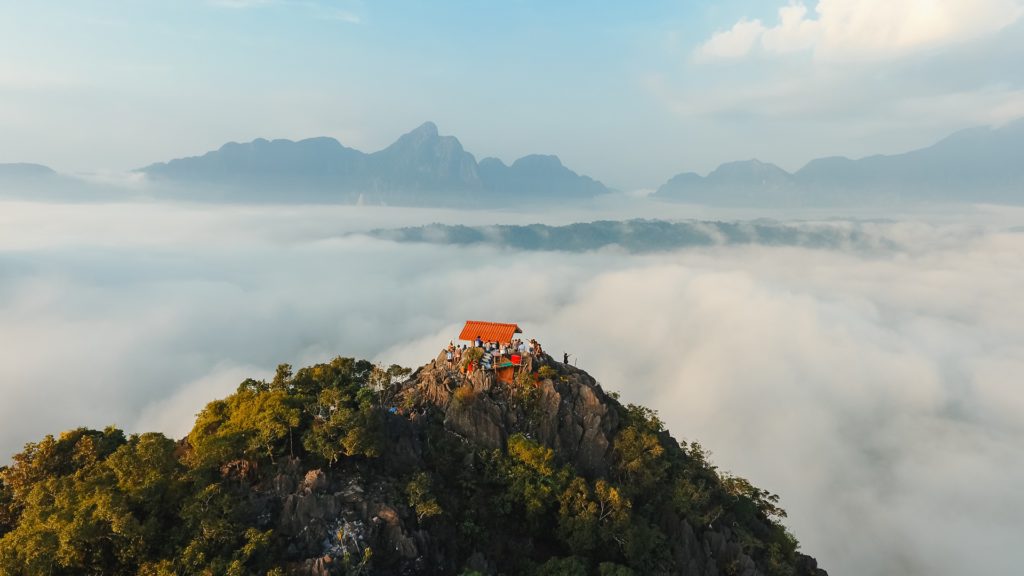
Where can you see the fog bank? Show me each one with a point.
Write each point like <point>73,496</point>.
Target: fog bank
<point>876,391</point>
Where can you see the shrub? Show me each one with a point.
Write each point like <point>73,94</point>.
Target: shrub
<point>471,355</point>
<point>464,395</point>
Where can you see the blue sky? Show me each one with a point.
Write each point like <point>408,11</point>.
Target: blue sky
<point>630,93</point>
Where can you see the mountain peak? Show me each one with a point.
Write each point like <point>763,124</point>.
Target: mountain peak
<point>424,135</point>
<point>496,463</point>
<point>539,161</point>
<point>752,165</point>
<point>427,129</point>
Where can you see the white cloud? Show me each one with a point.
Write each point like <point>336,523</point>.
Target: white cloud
<point>173,415</point>
<point>734,42</point>
<point>794,32</point>
<point>814,85</point>
<point>875,391</point>
<point>864,29</point>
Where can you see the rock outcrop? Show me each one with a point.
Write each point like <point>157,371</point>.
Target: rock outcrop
<point>568,413</point>
<point>331,517</point>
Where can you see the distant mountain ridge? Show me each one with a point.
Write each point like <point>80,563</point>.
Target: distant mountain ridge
<point>36,182</point>
<point>638,236</point>
<point>422,167</point>
<point>974,165</point>
<point>25,170</point>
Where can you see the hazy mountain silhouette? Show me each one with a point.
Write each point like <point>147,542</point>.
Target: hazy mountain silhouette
<point>974,165</point>
<point>26,171</point>
<point>741,182</point>
<point>27,181</point>
<point>420,168</point>
<point>541,174</point>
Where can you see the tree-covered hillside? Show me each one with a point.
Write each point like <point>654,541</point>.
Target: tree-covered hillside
<point>637,236</point>
<point>351,468</point>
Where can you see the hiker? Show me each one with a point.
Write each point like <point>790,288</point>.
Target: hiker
<point>565,358</point>
<point>478,342</point>
<point>450,356</point>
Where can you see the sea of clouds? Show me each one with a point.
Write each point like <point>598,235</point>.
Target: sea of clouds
<point>879,392</point>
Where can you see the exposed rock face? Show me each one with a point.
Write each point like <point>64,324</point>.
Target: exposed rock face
<point>328,515</point>
<point>570,413</point>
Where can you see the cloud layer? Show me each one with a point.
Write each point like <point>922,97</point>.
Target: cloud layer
<point>876,392</point>
<point>864,29</point>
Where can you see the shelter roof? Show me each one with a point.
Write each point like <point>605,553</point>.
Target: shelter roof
<point>489,331</point>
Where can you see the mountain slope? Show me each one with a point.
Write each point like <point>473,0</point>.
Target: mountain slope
<point>425,160</point>
<point>19,170</point>
<point>975,165</point>
<point>420,168</point>
<point>348,468</point>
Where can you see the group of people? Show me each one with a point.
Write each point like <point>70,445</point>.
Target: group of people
<point>493,351</point>
<point>453,355</point>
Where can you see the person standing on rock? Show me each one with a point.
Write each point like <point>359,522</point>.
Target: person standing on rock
<point>565,358</point>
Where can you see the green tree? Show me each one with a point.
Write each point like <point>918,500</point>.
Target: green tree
<point>571,566</point>
<point>578,523</point>
<point>109,516</point>
<point>589,518</point>
<point>638,459</point>
<point>421,497</point>
<point>612,569</point>
<point>534,480</point>
<point>344,426</point>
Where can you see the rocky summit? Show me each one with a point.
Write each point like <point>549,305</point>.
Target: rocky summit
<point>350,468</point>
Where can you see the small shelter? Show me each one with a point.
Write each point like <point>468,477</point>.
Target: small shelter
<point>504,366</point>
<point>489,331</point>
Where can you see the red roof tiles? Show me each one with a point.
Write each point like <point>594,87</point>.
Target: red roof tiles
<point>489,331</point>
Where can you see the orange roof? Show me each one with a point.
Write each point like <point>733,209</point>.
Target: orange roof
<point>489,331</point>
